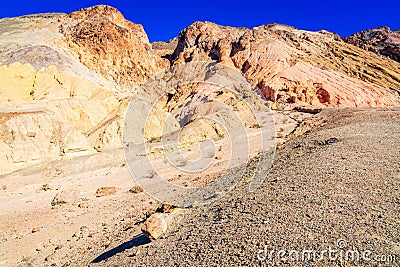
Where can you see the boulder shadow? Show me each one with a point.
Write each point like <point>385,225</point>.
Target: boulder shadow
<point>138,240</point>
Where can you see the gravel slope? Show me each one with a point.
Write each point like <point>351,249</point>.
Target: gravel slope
<point>336,183</point>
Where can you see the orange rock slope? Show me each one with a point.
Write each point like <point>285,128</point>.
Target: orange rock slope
<point>295,66</point>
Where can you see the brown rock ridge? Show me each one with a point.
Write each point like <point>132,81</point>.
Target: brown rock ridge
<point>110,45</point>
<point>382,41</point>
<point>295,66</point>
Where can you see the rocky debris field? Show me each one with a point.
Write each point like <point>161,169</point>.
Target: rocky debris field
<point>336,185</point>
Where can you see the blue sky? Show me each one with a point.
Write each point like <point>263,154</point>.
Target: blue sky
<point>163,20</point>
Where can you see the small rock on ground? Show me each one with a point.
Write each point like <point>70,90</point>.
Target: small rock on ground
<point>105,191</point>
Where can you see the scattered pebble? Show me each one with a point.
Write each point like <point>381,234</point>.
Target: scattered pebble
<point>136,189</point>
<point>105,191</point>
<point>45,187</point>
<point>83,205</point>
<point>50,257</point>
<point>309,109</point>
<point>331,140</point>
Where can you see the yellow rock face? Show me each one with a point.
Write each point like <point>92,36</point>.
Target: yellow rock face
<point>33,137</point>
<point>16,84</point>
<point>21,84</point>
<point>47,115</point>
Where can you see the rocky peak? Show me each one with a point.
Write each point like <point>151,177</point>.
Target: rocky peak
<point>104,11</point>
<point>206,40</point>
<point>66,79</point>
<point>104,41</point>
<point>108,13</point>
<point>382,41</point>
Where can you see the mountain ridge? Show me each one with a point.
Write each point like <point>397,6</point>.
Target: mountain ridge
<point>85,66</point>
<point>381,40</point>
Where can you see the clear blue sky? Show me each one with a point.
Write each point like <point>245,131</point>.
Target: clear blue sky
<point>163,20</point>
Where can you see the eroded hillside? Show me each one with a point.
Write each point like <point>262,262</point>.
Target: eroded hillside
<point>65,83</point>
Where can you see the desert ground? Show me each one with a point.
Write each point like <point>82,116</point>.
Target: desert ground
<point>335,178</point>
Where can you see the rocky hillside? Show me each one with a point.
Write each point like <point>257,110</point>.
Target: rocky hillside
<point>107,43</point>
<point>382,41</point>
<point>65,83</point>
<point>66,79</point>
<point>292,66</point>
